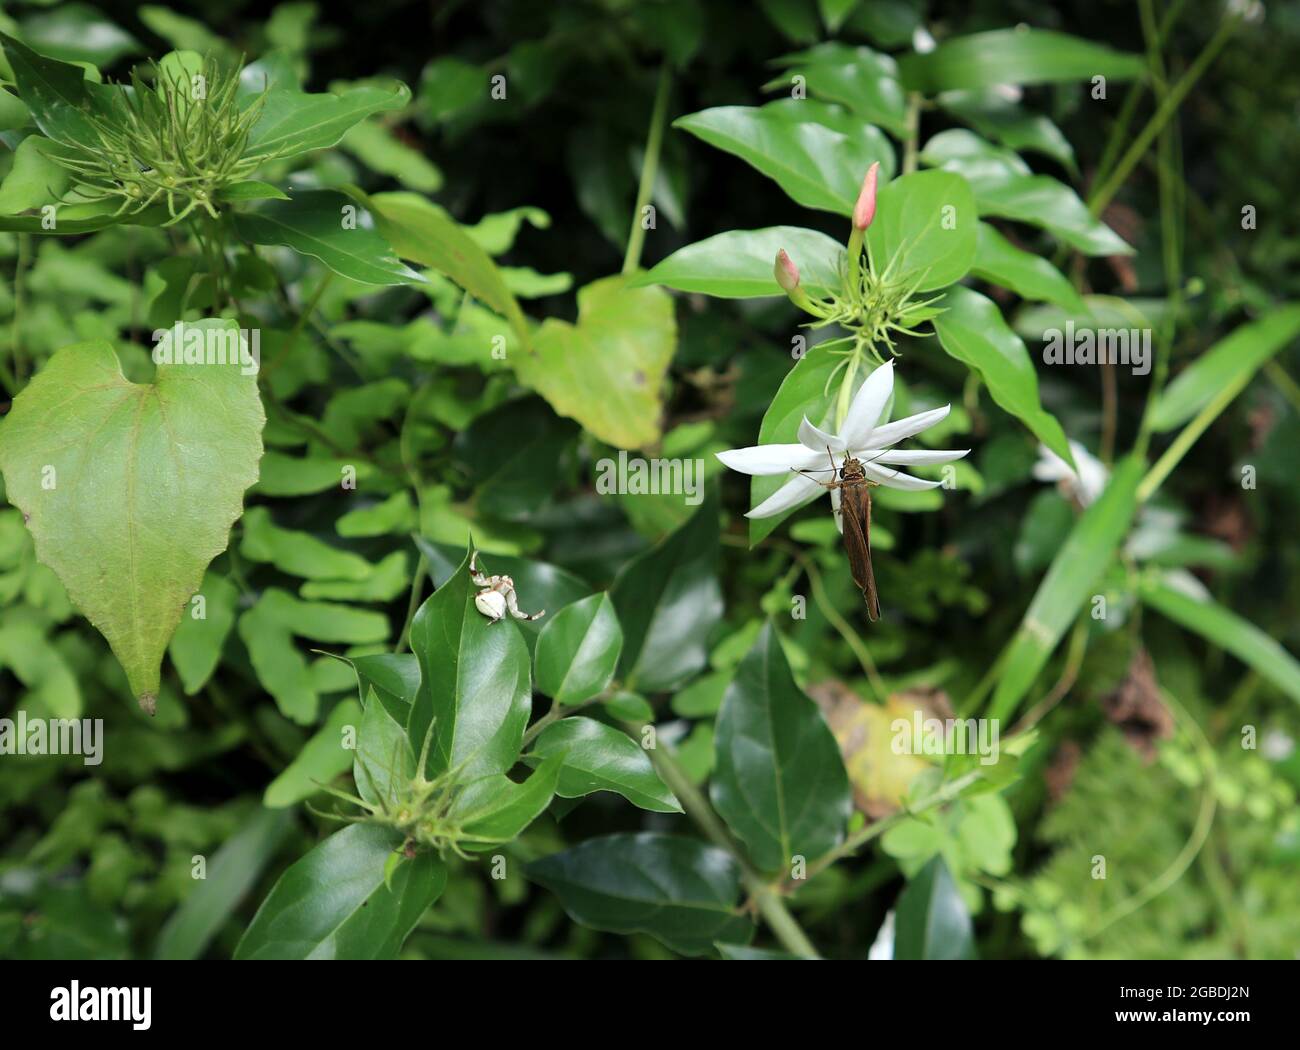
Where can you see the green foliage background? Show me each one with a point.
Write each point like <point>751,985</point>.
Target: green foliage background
<point>373,367</point>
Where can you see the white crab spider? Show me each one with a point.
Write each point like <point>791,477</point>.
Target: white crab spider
<point>497,596</point>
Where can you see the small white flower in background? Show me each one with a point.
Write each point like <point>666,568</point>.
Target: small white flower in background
<point>1085,485</point>
<point>862,437</point>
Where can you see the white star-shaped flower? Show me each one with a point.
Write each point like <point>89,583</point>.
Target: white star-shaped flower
<point>862,437</point>
<point>1085,484</point>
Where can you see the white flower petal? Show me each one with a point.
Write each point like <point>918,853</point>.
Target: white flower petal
<point>794,493</point>
<point>896,479</point>
<point>818,440</point>
<point>868,404</point>
<point>892,433</point>
<point>915,457</point>
<point>772,459</point>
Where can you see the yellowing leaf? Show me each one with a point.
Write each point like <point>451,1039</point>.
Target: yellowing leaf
<point>607,370</point>
<point>130,490</point>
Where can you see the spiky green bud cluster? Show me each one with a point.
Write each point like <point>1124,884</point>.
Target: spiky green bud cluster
<point>181,140</point>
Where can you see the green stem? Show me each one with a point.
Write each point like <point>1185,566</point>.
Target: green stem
<point>912,139</point>
<point>1102,196</point>
<point>855,842</point>
<point>1175,452</point>
<point>413,603</point>
<point>649,171</point>
<point>770,905</point>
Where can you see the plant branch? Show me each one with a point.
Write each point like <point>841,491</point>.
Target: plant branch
<point>649,171</point>
<point>768,901</point>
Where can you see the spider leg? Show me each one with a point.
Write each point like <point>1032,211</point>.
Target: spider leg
<point>512,603</point>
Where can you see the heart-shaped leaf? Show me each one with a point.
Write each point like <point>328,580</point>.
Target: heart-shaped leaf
<point>129,489</point>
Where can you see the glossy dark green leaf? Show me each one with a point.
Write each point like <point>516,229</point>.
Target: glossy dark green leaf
<point>1004,186</point>
<point>57,93</point>
<point>738,264</point>
<point>927,222</point>
<point>476,687</point>
<point>1030,276</point>
<point>996,117</point>
<point>778,779</point>
<point>1074,572</point>
<point>231,873</point>
<point>1015,56</point>
<point>676,889</point>
<point>578,650</point>
<point>931,919</point>
<point>668,599</point>
<point>331,227</point>
<point>817,166</point>
<point>395,678</point>
<point>1229,364</point>
<point>496,809</point>
<point>598,757</point>
<point>334,904</point>
<point>385,761</point>
<point>972,330</point>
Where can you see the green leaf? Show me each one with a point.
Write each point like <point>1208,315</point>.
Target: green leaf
<point>497,809</point>
<point>385,761</point>
<point>864,80</point>
<point>1074,572</point>
<point>598,757</point>
<point>56,92</point>
<point>395,678</point>
<point>996,117</point>
<point>972,330</point>
<point>1003,186</point>
<point>130,490</point>
<point>928,220</point>
<point>78,33</point>
<point>297,553</point>
<point>35,179</point>
<point>1229,364</point>
<point>252,190</point>
<point>778,779</point>
<point>1180,598</point>
<point>294,122</point>
<point>738,264</point>
<point>331,227</point>
<point>607,371</point>
<point>1015,56</point>
<point>475,683</point>
<point>818,167</point>
<point>1030,276</point>
<point>230,875</point>
<point>333,903</point>
<point>422,232</point>
<point>931,919</point>
<point>196,646</point>
<point>676,889</point>
<point>380,150</point>
<point>324,621</point>
<point>578,650</point>
<point>668,599</point>
<point>279,666</point>
<point>321,759</point>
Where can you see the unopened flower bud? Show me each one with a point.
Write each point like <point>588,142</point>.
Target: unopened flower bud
<point>786,272</point>
<point>865,210</point>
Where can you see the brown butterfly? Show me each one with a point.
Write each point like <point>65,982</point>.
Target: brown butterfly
<point>855,512</point>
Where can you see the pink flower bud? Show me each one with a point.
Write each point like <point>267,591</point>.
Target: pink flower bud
<point>786,272</point>
<point>865,210</point>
